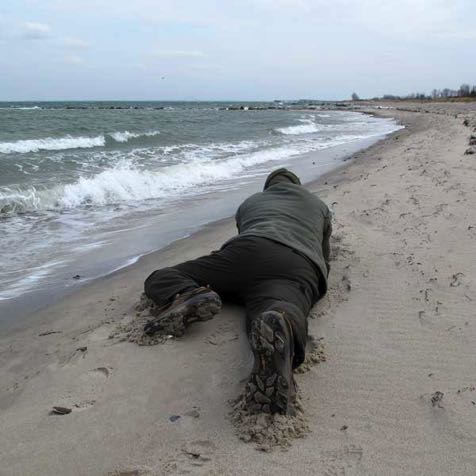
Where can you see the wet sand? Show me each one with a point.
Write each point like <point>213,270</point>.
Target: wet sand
<point>392,386</point>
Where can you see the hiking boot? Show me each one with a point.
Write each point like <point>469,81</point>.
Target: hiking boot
<point>199,304</point>
<point>271,388</point>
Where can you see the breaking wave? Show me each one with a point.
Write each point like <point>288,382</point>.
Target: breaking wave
<point>22,108</point>
<point>128,182</point>
<point>51,143</point>
<point>126,135</point>
<point>307,126</point>
<point>68,142</point>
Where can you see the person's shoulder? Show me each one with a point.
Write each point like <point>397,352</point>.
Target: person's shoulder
<point>319,202</point>
<point>256,197</point>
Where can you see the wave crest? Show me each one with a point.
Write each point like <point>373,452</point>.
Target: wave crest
<point>307,126</point>
<point>68,142</point>
<point>126,135</point>
<point>127,182</point>
<point>51,143</point>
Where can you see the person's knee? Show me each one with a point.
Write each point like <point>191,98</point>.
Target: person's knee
<point>153,281</point>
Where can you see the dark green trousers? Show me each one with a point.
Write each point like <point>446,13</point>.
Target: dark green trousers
<point>256,272</point>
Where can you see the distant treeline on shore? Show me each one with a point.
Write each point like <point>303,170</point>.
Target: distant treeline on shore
<point>464,91</point>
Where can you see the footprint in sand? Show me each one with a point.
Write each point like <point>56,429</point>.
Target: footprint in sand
<point>221,337</point>
<point>73,357</point>
<point>130,472</point>
<point>341,462</point>
<point>87,390</point>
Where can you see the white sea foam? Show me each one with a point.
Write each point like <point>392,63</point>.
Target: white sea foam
<point>190,169</point>
<point>51,143</point>
<point>301,129</point>
<point>127,182</point>
<point>126,135</point>
<point>307,126</point>
<point>23,108</point>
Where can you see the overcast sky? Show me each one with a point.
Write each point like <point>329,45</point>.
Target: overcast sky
<point>233,49</point>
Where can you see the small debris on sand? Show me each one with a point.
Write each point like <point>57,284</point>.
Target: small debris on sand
<point>47,333</point>
<point>60,411</point>
<point>199,451</point>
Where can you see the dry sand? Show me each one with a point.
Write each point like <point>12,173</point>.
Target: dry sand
<point>392,390</point>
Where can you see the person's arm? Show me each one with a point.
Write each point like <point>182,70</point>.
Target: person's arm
<point>326,247</point>
<point>238,218</point>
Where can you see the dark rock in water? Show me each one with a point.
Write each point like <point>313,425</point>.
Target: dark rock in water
<point>470,151</point>
<point>76,276</point>
<point>466,122</point>
<point>472,140</point>
<point>60,411</point>
<point>174,418</point>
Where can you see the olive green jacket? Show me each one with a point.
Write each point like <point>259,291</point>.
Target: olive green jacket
<point>291,215</point>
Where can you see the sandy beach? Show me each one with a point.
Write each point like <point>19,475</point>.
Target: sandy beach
<point>392,390</point>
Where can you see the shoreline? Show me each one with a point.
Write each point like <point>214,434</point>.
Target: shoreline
<point>393,395</point>
<point>37,300</point>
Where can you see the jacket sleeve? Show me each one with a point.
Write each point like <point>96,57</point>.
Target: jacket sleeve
<point>326,248</point>
<point>238,218</point>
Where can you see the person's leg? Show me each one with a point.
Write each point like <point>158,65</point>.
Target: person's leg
<point>164,284</point>
<point>288,282</point>
<point>277,311</point>
<point>188,291</point>
<point>226,271</point>
<point>294,301</point>
<point>277,329</point>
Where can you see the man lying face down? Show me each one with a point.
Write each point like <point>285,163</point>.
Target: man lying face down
<point>276,266</point>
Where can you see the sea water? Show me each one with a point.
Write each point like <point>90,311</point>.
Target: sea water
<point>87,188</point>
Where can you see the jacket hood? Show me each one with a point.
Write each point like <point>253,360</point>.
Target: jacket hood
<point>280,176</point>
